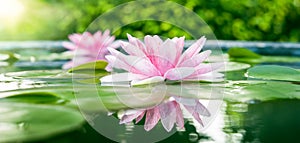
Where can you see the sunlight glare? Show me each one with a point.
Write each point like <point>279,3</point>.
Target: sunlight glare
<point>11,9</point>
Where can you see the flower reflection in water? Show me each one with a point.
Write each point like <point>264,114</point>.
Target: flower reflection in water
<point>169,112</point>
<point>151,112</point>
<point>167,103</point>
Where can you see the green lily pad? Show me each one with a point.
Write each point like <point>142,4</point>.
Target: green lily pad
<point>97,65</point>
<point>29,122</point>
<point>274,72</point>
<point>43,55</point>
<point>34,97</point>
<point>8,56</point>
<point>234,66</point>
<point>33,74</point>
<point>246,56</point>
<point>267,59</point>
<point>279,59</point>
<point>88,96</point>
<point>52,77</point>
<point>238,52</point>
<point>89,72</point>
<point>244,91</point>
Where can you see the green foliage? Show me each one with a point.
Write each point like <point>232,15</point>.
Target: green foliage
<point>274,20</point>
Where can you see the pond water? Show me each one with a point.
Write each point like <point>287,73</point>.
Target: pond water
<point>258,102</point>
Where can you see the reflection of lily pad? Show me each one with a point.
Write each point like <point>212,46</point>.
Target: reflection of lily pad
<point>27,122</point>
<point>273,72</point>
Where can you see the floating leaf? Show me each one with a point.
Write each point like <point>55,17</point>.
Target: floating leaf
<point>274,72</point>
<point>97,65</point>
<point>279,59</point>
<point>234,66</point>
<point>242,53</point>
<point>39,77</point>
<point>244,91</point>
<point>246,56</point>
<point>28,122</point>
<point>33,74</point>
<point>8,56</point>
<point>34,97</point>
<point>89,97</point>
<point>64,92</point>
<point>268,59</point>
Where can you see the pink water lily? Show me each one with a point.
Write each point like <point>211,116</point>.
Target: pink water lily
<point>156,60</point>
<point>89,47</point>
<point>169,113</point>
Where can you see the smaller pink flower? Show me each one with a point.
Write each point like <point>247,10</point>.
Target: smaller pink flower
<point>169,113</point>
<point>156,60</point>
<point>87,47</point>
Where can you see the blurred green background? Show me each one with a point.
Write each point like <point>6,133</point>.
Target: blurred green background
<point>269,20</point>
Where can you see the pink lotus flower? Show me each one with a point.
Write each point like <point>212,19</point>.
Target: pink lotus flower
<point>169,113</point>
<point>89,47</point>
<point>157,60</point>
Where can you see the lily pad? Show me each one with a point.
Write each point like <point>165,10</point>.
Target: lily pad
<point>97,65</point>
<point>8,56</point>
<point>234,66</point>
<point>238,52</point>
<point>274,72</point>
<point>33,74</point>
<point>245,91</point>
<point>247,56</point>
<point>35,78</point>
<point>29,122</point>
<point>34,97</point>
<point>268,59</point>
<point>279,59</point>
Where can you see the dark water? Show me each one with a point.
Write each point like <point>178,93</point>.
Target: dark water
<point>272,121</point>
